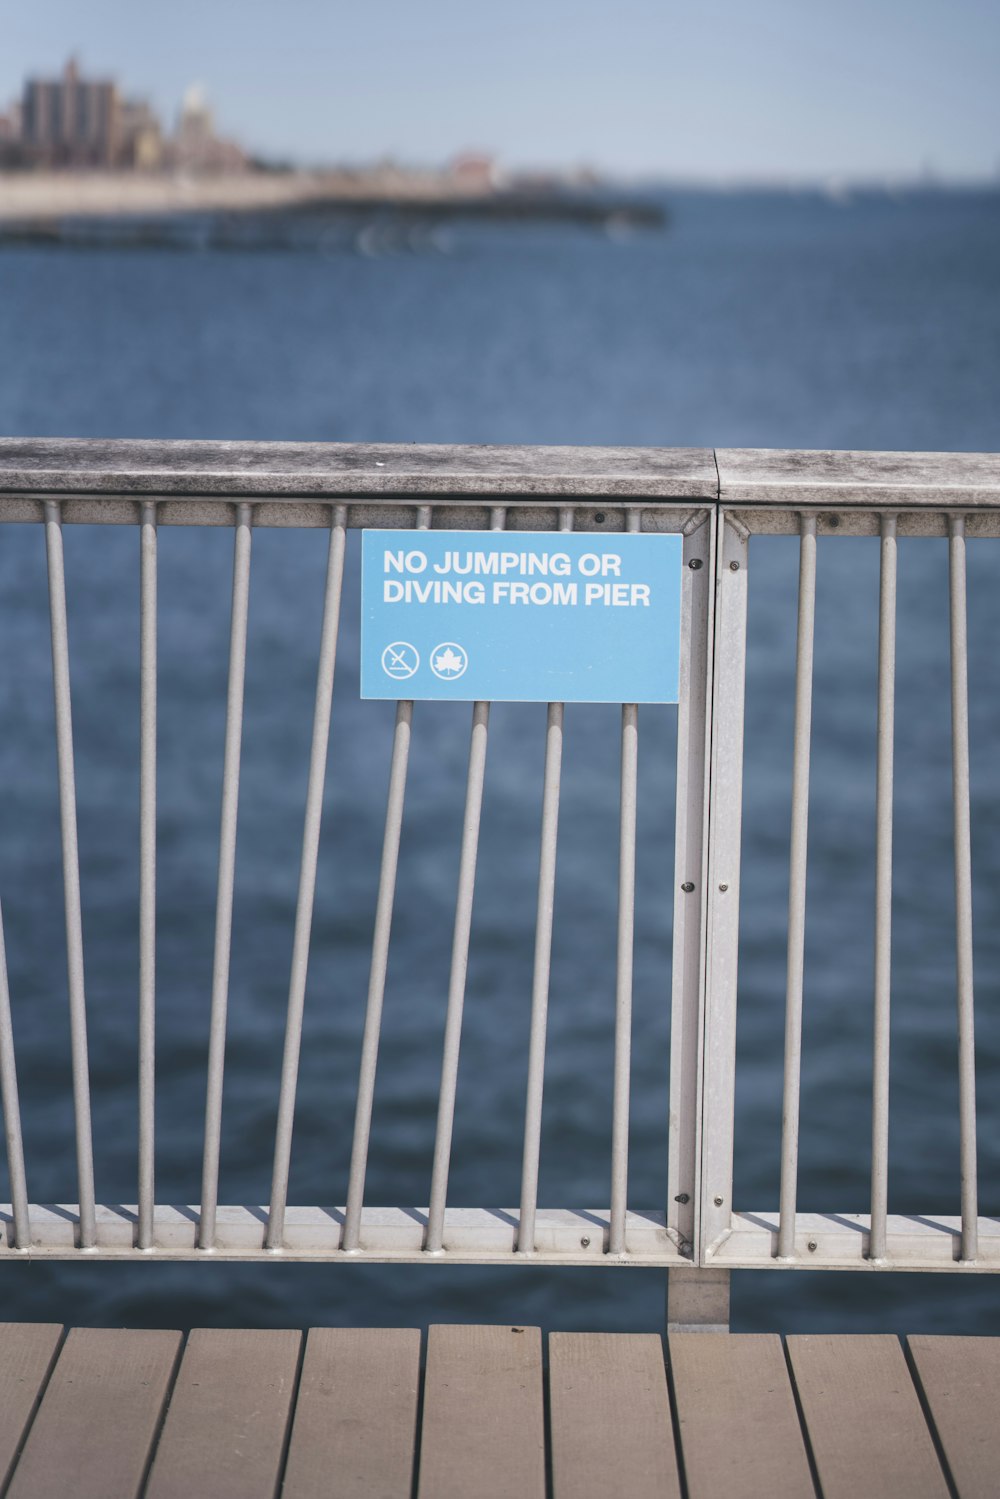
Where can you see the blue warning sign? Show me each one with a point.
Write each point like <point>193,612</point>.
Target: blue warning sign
<point>507,617</point>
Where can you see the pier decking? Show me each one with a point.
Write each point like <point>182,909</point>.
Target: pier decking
<point>111,1414</point>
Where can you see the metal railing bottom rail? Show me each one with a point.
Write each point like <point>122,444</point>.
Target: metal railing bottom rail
<point>581,1237</point>
<point>469,1235</point>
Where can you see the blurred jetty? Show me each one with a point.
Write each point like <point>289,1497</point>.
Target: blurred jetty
<point>372,212</point>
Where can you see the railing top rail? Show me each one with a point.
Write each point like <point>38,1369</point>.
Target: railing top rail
<point>80,466</point>
<point>796,477</point>
<point>736,476</point>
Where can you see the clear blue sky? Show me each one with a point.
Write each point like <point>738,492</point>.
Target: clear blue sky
<point>715,88</point>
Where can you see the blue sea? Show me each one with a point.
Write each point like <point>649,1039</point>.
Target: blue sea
<point>757,319</point>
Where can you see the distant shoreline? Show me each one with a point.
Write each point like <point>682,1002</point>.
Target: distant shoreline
<point>38,199</point>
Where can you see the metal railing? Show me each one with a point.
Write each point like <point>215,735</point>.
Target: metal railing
<point>716,501</point>
<point>821,498</point>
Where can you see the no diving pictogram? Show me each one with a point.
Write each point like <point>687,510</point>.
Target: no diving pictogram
<point>400,660</point>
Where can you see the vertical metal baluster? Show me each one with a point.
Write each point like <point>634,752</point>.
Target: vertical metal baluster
<point>12,1110</point>
<point>883,887</point>
<point>307,876</point>
<point>377,974</point>
<point>551,779</point>
<point>227,871</point>
<point>456,985</point>
<point>963,887</point>
<point>540,981</point>
<point>147,870</point>
<point>623,978</point>
<point>380,959</point>
<point>71,873</point>
<point>798,862</point>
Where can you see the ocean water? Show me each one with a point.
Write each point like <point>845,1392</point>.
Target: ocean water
<point>765,320</point>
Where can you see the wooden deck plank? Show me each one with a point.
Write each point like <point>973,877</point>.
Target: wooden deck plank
<point>611,1426</point>
<point>224,1434</point>
<point>29,1351</point>
<point>355,1426</point>
<point>96,1425</point>
<point>87,1416</point>
<point>960,1378</point>
<point>739,1429</point>
<point>483,1432</point>
<point>866,1428</point>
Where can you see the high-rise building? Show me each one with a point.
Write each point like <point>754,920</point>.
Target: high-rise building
<point>71,121</point>
<point>78,122</point>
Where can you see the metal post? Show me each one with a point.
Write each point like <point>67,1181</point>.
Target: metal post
<point>12,1110</point>
<point>797,887</point>
<point>623,979</point>
<point>551,779</point>
<point>147,872</point>
<point>385,901</point>
<point>71,874</point>
<point>456,985</point>
<point>883,887</point>
<point>722,936</point>
<point>227,872</point>
<point>697,1300</point>
<point>627,810</point>
<point>963,888</point>
<point>376,979</point>
<point>690,878</point>
<point>307,876</point>
<point>540,978</point>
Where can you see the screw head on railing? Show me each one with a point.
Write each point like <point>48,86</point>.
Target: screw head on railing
<point>600,518</point>
<point>718,1201</point>
<point>723,888</point>
<point>734,567</point>
<point>585,1242</point>
<point>683,1197</point>
<point>811,1246</point>
<point>694,564</point>
<point>688,886</point>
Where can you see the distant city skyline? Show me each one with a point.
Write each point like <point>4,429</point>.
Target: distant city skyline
<point>75,122</point>
<point>719,92</point>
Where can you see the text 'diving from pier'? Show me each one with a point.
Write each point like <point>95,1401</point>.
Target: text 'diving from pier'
<point>488,615</point>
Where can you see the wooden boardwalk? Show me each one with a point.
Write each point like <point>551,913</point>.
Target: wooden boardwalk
<point>351,1414</point>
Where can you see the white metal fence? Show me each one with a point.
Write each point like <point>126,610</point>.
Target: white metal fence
<point>717,501</point>
<point>822,498</point>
